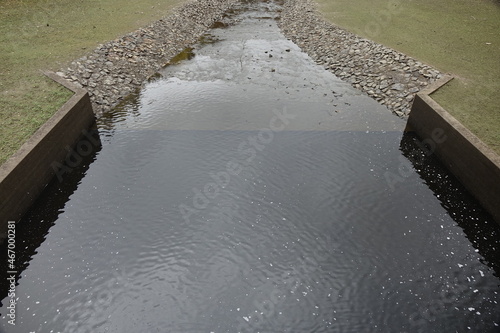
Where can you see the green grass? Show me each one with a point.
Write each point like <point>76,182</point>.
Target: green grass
<point>460,37</point>
<point>46,35</point>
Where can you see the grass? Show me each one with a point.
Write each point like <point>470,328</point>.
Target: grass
<point>460,37</point>
<point>46,35</point>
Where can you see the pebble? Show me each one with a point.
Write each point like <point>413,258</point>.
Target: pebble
<point>390,77</point>
<point>114,69</point>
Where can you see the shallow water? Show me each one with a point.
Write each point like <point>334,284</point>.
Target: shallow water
<point>243,192</point>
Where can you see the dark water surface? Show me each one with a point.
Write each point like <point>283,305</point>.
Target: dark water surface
<point>249,190</point>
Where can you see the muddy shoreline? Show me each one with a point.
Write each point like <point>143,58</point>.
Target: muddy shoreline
<point>119,67</point>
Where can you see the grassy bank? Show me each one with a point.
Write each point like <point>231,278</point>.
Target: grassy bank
<point>47,34</point>
<point>461,37</point>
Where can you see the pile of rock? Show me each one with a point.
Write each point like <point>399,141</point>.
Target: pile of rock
<point>386,75</point>
<point>115,69</point>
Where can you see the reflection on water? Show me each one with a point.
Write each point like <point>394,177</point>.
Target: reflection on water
<point>33,229</point>
<point>479,227</point>
<point>228,197</point>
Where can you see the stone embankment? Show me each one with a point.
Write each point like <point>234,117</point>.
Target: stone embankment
<point>117,68</point>
<point>386,75</point>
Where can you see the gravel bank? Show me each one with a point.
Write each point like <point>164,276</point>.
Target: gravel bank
<point>115,69</point>
<point>388,76</point>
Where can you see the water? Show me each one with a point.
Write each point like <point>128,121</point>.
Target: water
<point>239,192</point>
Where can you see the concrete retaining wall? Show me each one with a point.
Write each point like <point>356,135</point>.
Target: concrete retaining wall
<point>24,176</point>
<point>463,153</point>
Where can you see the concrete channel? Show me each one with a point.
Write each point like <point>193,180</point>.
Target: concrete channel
<point>246,189</point>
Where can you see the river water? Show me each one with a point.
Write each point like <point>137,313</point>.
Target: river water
<point>246,189</point>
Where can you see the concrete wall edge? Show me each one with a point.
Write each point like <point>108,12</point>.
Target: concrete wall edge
<point>475,164</point>
<point>26,173</point>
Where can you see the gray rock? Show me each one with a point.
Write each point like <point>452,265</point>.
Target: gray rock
<point>398,87</point>
<point>349,55</point>
<point>123,64</point>
<point>116,68</point>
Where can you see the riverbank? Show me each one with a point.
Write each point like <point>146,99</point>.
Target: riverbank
<point>459,37</point>
<point>117,68</point>
<point>49,34</point>
<point>388,76</point>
